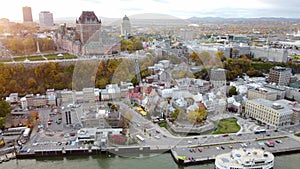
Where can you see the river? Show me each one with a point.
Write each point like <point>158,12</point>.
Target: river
<point>159,161</point>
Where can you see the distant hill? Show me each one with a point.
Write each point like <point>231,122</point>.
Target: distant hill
<point>153,16</point>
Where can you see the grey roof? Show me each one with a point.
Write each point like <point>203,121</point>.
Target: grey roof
<point>286,107</point>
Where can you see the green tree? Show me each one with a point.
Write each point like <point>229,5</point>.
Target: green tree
<point>197,116</point>
<point>175,114</point>
<point>232,91</point>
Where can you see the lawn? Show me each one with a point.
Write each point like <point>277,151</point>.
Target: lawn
<point>39,57</point>
<point>297,134</point>
<point>54,56</point>
<point>5,60</point>
<point>163,124</point>
<point>228,125</point>
<point>31,58</point>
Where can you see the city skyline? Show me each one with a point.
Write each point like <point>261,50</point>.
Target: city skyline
<point>177,8</point>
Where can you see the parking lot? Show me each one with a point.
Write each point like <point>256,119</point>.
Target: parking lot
<point>211,150</point>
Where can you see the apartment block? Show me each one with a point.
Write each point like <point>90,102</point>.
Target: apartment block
<point>278,113</point>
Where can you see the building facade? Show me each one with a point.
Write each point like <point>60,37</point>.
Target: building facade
<point>278,113</point>
<point>46,20</point>
<point>280,75</point>
<point>88,27</point>
<point>87,39</point>
<point>27,14</point>
<point>262,93</point>
<point>218,77</point>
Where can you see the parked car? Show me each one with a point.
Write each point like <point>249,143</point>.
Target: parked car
<point>225,135</point>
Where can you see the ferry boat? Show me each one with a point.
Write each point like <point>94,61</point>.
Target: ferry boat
<point>245,159</point>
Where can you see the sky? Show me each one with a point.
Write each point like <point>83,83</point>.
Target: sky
<point>12,9</point>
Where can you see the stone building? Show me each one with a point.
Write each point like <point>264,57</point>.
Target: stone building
<point>87,39</point>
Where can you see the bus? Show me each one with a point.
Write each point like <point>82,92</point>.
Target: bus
<point>140,138</point>
<point>14,131</point>
<point>260,131</point>
<point>26,132</point>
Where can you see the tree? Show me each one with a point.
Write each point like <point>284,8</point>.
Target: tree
<point>16,46</point>
<point>197,116</point>
<point>205,58</point>
<point>175,114</point>
<point>127,119</point>
<point>29,45</point>
<point>220,55</point>
<point>31,83</point>
<point>235,52</point>
<point>195,57</point>
<point>5,109</point>
<point>232,91</point>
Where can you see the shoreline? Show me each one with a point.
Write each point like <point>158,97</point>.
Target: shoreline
<point>128,151</point>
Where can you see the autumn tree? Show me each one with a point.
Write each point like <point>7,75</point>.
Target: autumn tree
<point>16,46</point>
<point>29,45</point>
<point>220,55</point>
<point>127,119</point>
<point>197,116</point>
<point>175,114</point>
<point>194,57</point>
<point>5,109</point>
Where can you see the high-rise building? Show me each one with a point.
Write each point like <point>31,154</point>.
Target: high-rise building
<point>88,26</point>
<point>125,26</point>
<point>27,15</point>
<point>46,20</point>
<point>280,75</point>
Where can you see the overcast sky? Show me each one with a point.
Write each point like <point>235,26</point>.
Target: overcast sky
<point>12,9</point>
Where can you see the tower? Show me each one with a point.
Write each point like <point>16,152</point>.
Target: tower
<point>125,26</point>
<point>88,26</point>
<point>27,14</point>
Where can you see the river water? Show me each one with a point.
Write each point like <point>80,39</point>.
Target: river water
<point>159,161</point>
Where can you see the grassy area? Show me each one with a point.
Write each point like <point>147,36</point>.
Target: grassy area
<point>228,125</point>
<point>31,58</point>
<point>65,56</point>
<point>39,57</point>
<point>5,60</point>
<point>297,134</point>
<point>35,58</point>
<point>163,124</point>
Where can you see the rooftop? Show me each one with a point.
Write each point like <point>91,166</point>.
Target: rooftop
<point>281,106</point>
<point>88,17</point>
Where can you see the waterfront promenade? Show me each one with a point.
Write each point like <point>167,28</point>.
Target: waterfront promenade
<point>188,151</point>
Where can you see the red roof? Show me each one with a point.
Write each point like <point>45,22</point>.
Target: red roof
<point>201,105</point>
